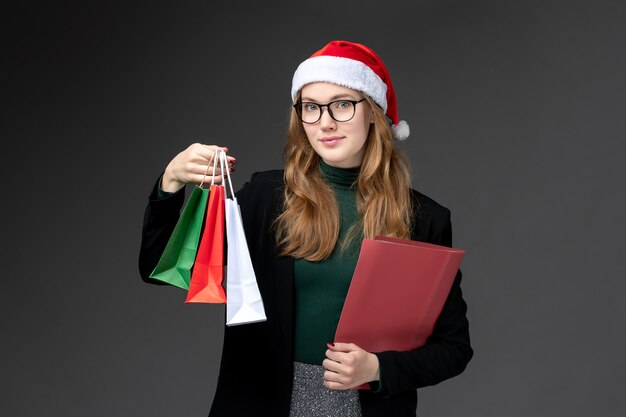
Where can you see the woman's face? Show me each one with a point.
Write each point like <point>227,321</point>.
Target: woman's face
<point>339,144</point>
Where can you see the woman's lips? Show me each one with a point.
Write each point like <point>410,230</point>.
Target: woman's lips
<point>330,140</point>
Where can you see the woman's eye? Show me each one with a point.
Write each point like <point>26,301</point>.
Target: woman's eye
<point>342,105</point>
<point>310,107</point>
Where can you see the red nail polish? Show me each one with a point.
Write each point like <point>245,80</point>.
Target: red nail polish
<point>330,344</point>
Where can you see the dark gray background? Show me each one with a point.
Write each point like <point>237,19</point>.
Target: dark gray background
<point>516,111</point>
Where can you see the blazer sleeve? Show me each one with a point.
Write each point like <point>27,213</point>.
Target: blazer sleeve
<point>159,220</point>
<point>448,350</point>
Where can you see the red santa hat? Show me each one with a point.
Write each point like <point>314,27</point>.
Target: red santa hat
<point>357,67</point>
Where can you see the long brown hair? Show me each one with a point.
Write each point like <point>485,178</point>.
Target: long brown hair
<point>309,224</point>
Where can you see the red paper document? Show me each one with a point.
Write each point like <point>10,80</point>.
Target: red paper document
<point>397,292</point>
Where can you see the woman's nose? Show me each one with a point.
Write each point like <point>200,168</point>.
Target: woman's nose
<point>326,121</point>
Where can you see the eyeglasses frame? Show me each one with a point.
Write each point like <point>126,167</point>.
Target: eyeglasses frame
<point>327,105</point>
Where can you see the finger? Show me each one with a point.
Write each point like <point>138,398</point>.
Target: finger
<point>335,385</point>
<point>336,381</point>
<point>208,170</point>
<point>208,151</point>
<point>332,366</point>
<point>340,363</point>
<point>335,377</point>
<point>200,178</point>
<point>342,347</point>
<point>200,153</point>
<point>205,172</point>
<point>230,159</point>
<point>335,356</point>
<point>348,359</point>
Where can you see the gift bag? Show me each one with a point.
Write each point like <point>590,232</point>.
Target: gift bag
<point>208,268</point>
<point>174,266</point>
<point>244,303</point>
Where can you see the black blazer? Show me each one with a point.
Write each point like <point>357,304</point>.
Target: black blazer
<point>256,370</point>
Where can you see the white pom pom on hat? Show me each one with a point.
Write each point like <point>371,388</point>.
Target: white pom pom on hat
<point>355,66</point>
<point>401,130</point>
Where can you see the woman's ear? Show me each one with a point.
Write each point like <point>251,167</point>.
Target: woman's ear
<point>372,118</point>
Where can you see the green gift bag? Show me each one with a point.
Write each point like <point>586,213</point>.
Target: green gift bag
<point>175,264</point>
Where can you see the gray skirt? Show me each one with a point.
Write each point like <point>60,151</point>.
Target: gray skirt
<point>310,398</point>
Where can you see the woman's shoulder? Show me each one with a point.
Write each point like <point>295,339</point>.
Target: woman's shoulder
<point>431,220</point>
<point>269,176</point>
<point>262,185</point>
<point>426,205</point>
<point>265,179</point>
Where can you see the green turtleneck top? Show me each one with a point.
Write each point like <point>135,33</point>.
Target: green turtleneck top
<point>321,287</point>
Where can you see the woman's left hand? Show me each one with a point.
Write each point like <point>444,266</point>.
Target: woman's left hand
<point>348,366</point>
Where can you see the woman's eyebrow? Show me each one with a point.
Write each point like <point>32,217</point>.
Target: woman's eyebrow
<point>333,98</point>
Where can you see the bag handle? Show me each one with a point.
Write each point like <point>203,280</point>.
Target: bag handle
<point>214,167</point>
<point>214,159</point>
<point>224,161</point>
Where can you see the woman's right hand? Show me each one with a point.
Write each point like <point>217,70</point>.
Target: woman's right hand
<point>190,166</point>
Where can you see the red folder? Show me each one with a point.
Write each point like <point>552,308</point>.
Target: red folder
<point>397,292</point>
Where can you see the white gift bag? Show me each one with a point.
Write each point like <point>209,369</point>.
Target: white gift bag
<point>243,298</point>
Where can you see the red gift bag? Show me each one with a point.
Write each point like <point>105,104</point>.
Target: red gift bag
<point>208,269</point>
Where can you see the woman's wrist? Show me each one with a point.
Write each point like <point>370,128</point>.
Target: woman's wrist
<point>374,367</point>
<point>169,184</point>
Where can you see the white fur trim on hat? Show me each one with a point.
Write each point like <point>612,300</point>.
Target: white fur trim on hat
<point>341,71</point>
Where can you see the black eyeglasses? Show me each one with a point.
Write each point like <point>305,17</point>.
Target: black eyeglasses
<point>339,110</point>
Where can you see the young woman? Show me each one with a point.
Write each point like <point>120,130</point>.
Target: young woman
<point>344,180</point>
